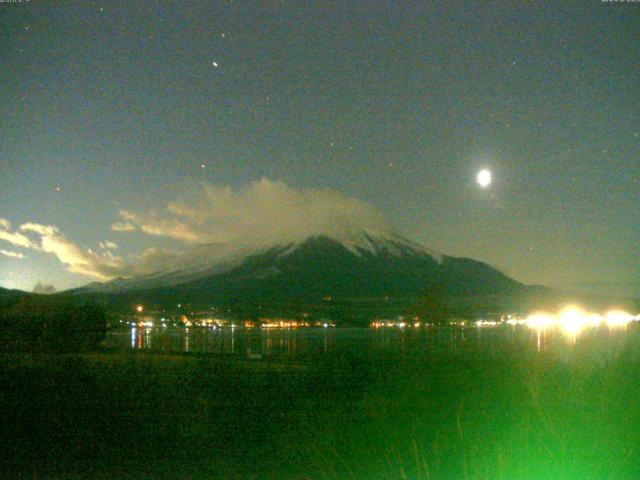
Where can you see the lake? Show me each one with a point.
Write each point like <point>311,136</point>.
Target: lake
<point>425,340</point>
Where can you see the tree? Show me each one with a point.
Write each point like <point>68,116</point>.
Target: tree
<point>52,324</point>
<point>432,305</point>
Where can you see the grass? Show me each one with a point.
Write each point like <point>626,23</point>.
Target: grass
<point>517,416</point>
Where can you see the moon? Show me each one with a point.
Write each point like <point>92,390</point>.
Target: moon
<point>484,178</point>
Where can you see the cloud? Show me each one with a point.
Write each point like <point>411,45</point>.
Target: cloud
<point>44,230</point>
<point>153,224</point>
<point>152,260</point>
<point>102,266</point>
<point>15,238</point>
<point>11,254</point>
<point>263,209</point>
<point>182,210</point>
<point>123,227</point>
<point>171,228</point>
<point>107,245</point>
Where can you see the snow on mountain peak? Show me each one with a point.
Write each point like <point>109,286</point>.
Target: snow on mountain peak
<point>255,219</point>
<point>213,259</point>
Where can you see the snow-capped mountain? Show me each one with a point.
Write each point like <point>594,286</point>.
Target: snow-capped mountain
<point>342,262</point>
<point>213,259</point>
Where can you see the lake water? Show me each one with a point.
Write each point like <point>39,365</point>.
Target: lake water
<point>291,343</point>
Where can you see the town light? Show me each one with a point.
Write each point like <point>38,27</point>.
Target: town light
<point>572,320</point>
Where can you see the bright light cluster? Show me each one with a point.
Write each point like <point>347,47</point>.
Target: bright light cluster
<point>574,319</point>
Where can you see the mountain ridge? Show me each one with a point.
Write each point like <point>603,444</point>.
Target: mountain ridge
<point>214,259</point>
<point>350,277</point>
<point>351,265</point>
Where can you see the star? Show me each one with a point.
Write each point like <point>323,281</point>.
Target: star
<point>215,64</point>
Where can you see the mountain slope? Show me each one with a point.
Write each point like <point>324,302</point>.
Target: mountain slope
<point>348,265</point>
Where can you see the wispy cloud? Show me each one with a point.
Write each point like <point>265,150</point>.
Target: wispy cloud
<point>11,254</point>
<point>107,245</point>
<point>153,224</point>
<point>123,227</point>
<point>264,208</point>
<point>182,210</point>
<point>14,238</point>
<point>102,266</point>
<point>152,260</point>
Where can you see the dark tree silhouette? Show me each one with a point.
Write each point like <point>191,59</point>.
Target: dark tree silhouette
<point>432,305</point>
<point>51,324</point>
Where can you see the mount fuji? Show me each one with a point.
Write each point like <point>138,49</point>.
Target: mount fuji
<point>341,263</point>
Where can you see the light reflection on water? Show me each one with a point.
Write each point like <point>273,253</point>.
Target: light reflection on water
<point>258,343</point>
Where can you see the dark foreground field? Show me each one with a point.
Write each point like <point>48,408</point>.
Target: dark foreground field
<point>344,416</point>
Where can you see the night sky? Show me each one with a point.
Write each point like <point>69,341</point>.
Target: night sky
<point>111,110</point>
